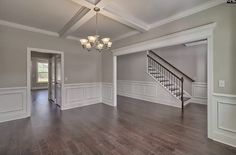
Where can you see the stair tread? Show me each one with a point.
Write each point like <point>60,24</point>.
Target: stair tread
<point>168,84</point>
<point>159,76</point>
<point>173,89</point>
<point>186,99</point>
<point>177,93</point>
<point>164,80</point>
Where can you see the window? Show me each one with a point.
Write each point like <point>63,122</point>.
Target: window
<point>42,72</point>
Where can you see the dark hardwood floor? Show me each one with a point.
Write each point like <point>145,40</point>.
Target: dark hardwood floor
<point>133,128</point>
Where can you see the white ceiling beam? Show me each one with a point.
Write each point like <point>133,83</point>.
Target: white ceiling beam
<point>73,25</point>
<point>114,14</point>
<point>84,3</point>
<point>81,15</point>
<point>126,20</point>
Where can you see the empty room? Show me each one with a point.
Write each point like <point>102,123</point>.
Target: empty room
<point>117,77</point>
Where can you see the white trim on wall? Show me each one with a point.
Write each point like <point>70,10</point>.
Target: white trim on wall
<point>28,28</point>
<point>224,114</point>
<point>107,93</point>
<point>149,91</point>
<point>81,94</point>
<point>190,35</point>
<point>13,103</point>
<point>199,93</point>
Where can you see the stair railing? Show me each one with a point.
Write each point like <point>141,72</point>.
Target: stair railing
<point>174,83</point>
<point>162,59</point>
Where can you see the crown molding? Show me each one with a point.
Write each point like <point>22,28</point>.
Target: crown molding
<point>186,13</point>
<point>195,43</point>
<point>126,35</point>
<point>28,28</point>
<point>73,38</point>
<point>32,29</point>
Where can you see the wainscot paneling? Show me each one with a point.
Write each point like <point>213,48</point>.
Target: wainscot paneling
<point>13,103</point>
<point>224,114</point>
<point>107,93</point>
<point>149,91</point>
<point>199,93</point>
<point>82,94</point>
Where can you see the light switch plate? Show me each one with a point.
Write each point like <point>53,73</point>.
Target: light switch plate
<point>221,83</point>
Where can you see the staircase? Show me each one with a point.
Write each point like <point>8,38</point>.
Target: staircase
<point>166,78</point>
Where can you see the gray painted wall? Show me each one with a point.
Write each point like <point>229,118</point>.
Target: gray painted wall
<point>80,66</point>
<point>132,67</point>
<point>190,60</point>
<point>224,42</point>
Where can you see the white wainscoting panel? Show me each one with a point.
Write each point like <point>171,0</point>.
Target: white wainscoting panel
<point>82,94</point>
<point>224,119</point>
<point>149,91</point>
<point>199,93</point>
<point>13,103</point>
<point>107,93</point>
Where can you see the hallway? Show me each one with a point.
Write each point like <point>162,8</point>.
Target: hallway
<point>135,127</point>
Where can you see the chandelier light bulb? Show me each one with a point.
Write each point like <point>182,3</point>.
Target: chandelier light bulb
<point>88,46</point>
<point>92,39</point>
<point>105,40</point>
<point>109,44</point>
<point>83,41</point>
<point>100,46</point>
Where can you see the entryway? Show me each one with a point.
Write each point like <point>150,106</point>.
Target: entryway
<point>45,69</point>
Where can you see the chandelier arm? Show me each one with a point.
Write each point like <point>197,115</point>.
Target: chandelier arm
<point>96,23</point>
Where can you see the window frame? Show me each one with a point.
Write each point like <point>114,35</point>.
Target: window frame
<point>37,72</point>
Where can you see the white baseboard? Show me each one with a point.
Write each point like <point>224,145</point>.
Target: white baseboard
<point>13,104</point>
<point>80,104</point>
<point>198,100</point>
<point>39,88</point>
<point>148,91</point>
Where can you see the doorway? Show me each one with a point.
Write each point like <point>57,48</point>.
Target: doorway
<point>45,72</point>
<point>204,32</point>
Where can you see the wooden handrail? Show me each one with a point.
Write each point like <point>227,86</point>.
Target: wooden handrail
<point>164,67</point>
<point>171,65</point>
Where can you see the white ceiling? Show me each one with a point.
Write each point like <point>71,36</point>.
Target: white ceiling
<point>50,15</point>
<point>150,11</point>
<point>117,19</point>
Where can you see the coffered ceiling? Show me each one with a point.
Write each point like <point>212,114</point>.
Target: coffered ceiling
<point>75,18</point>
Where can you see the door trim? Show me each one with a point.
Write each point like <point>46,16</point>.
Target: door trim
<point>29,51</point>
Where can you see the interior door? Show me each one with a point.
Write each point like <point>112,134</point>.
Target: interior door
<point>58,79</point>
<point>52,79</point>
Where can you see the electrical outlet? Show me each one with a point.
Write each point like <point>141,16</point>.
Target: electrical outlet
<point>221,83</point>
